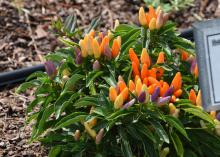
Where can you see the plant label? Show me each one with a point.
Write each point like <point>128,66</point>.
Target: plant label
<point>207,39</point>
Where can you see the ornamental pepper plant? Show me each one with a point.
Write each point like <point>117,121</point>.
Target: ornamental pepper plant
<point>130,92</point>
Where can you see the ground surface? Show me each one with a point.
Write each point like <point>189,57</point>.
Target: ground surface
<point>26,36</point>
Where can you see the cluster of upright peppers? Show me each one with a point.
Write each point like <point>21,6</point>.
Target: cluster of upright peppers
<point>152,19</point>
<point>147,85</point>
<point>97,46</point>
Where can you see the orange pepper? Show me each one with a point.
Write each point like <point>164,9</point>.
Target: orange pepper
<point>151,88</point>
<point>104,42</point>
<point>184,55</point>
<point>146,82</point>
<point>178,93</point>
<point>135,69</point>
<point>173,98</point>
<point>112,94</point>
<point>145,58</point>
<point>196,71</point>
<point>133,57</point>
<point>153,72</point>
<point>152,12</point>
<point>177,81</point>
<point>192,96</point>
<point>121,85</point>
<point>144,71</point>
<point>131,86</point>
<point>164,88</point>
<point>160,58</point>
<point>152,80</point>
<point>115,48</point>
<point>125,93</point>
<point>152,24</point>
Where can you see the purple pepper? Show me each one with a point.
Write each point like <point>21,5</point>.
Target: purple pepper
<point>163,100</point>
<point>50,69</point>
<point>155,94</point>
<point>107,52</point>
<point>169,92</point>
<point>128,104</point>
<point>142,97</point>
<point>218,116</point>
<point>96,65</point>
<point>193,65</point>
<point>78,56</point>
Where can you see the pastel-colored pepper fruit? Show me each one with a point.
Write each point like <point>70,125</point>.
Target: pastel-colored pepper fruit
<point>96,48</point>
<point>142,17</point>
<point>163,100</point>
<point>213,114</point>
<point>218,116</point>
<point>83,48</point>
<point>160,58</point>
<point>135,69</point>
<point>164,88</point>
<point>142,97</point>
<point>129,104</point>
<point>152,24</point>
<point>90,131</point>
<point>199,99</point>
<point>50,69</point>
<point>192,96</point>
<point>144,71</point>
<point>159,21</point>
<point>125,93</point>
<point>177,81</point>
<point>96,65</point>
<point>121,85</point>
<point>131,86</point>
<point>104,42</point>
<point>133,57</point>
<point>145,58</point>
<point>138,87</point>
<point>115,48</point>
<point>112,94</point>
<point>77,135</point>
<point>88,41</point>
<point>151,88</point>
<point>153,81</point>
<point>92,122</point>
<point>155,94</point>
<point>178,93</point>
<point>172,108</point>
<point>169,92</point>
<point>118,102</point>
<point>107,52</point>
<point>99,136</point>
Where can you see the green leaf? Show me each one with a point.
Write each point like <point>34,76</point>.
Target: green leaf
<point>23,87</point>
<point>46,114</point>
<point>70,23</point>
<point>199,113</point>
<point>125,146</point>
<point>64,97</point>
<point>160,131</point>
<point>177,144</point>
<point>91,76</point>
<point>36,74</point>
<point>54,152</point>
<point>35,102</point>
<point>176,124</point>
<point>68,42</point>
<point>70,119</point>
<point>111,81</point>
<point>124,28</point>
<point>69,86</point>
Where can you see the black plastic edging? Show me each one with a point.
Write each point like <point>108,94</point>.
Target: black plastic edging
<point>16,76</point>
<point>12,77</point>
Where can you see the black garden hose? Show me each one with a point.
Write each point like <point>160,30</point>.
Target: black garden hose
<point>16,76</point>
